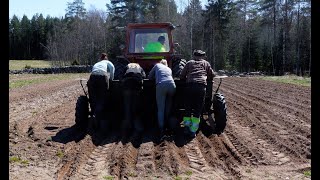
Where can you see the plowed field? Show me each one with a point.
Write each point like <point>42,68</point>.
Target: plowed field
<point>268,136</point>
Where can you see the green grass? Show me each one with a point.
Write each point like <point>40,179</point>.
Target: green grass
<point>40,78</point>
<point>248,171</point>
<point>188,173</point>
<point>108,177</point>
<point>22,64</point>
<point>131,174</point>
<point>177,178</point>
<point>307,173</point>
<point>60,154</point>
<point>15,159</point>
<point>297,80</point>
<point>25,162</point>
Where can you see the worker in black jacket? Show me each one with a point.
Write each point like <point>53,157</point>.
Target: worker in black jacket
<point>132,84</point>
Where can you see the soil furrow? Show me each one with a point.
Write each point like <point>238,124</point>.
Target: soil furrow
<point>260,153</point>
<point>250,153</point>
<point>268,112</point>
<point>262,130</point>
<point>303,105</point>
<point>293,112</point>
<point>268,136</point>
<point>211,156</point>
<point>96,166</point>
<point>196,159</point>
<point>115,160</point>
<point>225,154</point>
<point>288,90</point>
<point>75,158</point>
<point>163,159</point>
<point>40,90</point>
<point>146,159</point>
<point>128,161</point>
<point>25,109</point>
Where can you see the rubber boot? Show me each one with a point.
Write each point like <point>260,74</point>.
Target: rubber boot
<point>187,121</point>
<point>195,121</point>
<point>187,124</point>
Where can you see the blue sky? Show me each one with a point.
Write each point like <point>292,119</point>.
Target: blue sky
<point>56,8</point>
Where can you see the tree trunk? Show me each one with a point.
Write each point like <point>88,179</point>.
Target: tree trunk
<point>298,40</point>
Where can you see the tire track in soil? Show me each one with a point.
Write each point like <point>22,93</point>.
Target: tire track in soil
<point>212,156</point>
<point>128,161</point>
<point>197,163</point>
<point>168,159</point>
<point>280,99</point>
<point>96,165</point>
<point>227,155</point>
<point>145,165</point>
<point>76,154</point>
<point>251,155</point>
<point>123,161</point>
<point>257,151</point>
<point>261,126</point>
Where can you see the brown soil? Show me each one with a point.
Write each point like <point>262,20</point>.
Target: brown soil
<point>268,136</point>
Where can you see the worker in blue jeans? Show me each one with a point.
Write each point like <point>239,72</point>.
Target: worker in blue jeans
<point>165,89</point>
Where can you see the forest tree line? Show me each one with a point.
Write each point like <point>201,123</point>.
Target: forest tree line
<point>273,36</point>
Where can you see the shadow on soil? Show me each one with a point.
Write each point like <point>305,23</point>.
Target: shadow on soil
<point>176,135</point>
<point>73,133</point>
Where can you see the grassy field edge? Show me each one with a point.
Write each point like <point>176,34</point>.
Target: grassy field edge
<point>289,79</point>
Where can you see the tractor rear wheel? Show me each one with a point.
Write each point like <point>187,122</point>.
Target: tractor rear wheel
<point>177,66</point>
<point>82,112</point>
<point>220,112</point>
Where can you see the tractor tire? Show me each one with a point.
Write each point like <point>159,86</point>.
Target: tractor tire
<point>120,67</point>
<point>82,112</point>
<point>177,66</point>
<point>220,112</point>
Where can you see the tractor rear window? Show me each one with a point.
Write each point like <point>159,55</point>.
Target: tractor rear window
<point>148,41</point>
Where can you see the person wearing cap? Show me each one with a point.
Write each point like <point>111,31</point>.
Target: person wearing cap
<point>156,46</point>
<point>196,73</point>
<point>132,86</point>
<point>98,85</point>
<point>165,89</point>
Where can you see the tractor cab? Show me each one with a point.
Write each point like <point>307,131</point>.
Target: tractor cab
<point>148,43</point>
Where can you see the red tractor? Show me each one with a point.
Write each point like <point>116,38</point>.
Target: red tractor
<point>137,38</point>
<point>138,35</point>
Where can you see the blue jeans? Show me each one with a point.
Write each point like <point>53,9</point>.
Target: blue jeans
<point>164,96</point>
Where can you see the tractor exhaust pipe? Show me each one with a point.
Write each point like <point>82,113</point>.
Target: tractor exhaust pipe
<point>219,77</point>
